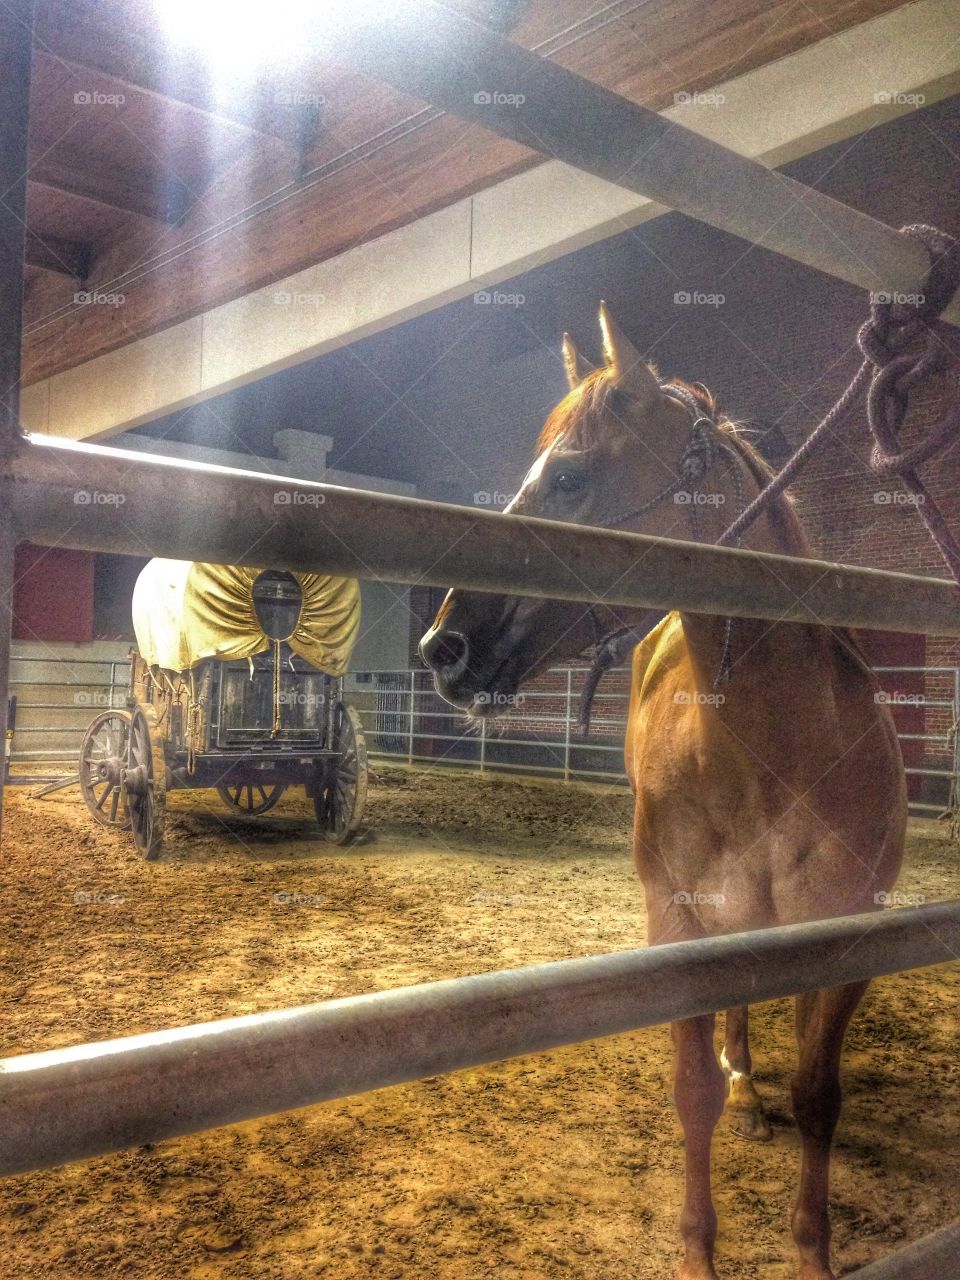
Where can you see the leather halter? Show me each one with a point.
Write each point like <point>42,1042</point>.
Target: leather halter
<point>705,446</point>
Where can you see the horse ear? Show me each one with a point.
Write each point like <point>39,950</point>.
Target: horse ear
<point>630,371</point>
<point>577,368</point>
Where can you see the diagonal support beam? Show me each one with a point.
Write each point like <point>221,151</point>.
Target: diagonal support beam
<point>423,48</point>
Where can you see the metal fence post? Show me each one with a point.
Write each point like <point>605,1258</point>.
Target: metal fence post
<point>566,726</point>
<point>413,689</point>
<point>16,39</point>
<point>483,744</point>
<point>954,798</point>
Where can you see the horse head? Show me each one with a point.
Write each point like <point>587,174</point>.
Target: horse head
<point>622,451</point>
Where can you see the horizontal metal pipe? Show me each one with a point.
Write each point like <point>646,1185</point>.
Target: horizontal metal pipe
<point>426,49</point>
<point>102,499</point>
<point>69,1104</point>
<point>926,1259</point>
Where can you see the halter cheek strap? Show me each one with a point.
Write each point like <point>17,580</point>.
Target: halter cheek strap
<point>704,448</point>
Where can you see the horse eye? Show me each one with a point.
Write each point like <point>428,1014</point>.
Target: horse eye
<point>569,481</point>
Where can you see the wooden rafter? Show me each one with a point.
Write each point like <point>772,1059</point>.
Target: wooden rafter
<point>62,257</point>
<point>145,194</point>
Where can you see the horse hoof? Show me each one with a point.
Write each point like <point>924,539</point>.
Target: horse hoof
<point>750,1124</point>
<point>696,1271</point>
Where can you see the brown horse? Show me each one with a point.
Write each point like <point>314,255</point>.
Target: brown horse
<point>768,781</point>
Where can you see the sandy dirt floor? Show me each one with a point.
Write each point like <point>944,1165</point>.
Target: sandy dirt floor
<point>565,1165</point>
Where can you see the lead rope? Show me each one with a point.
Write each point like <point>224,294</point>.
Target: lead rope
<point>889,373</point>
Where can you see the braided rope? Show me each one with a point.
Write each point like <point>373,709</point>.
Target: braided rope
<point>890,371</point>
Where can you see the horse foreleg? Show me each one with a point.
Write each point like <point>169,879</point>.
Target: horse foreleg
<point>744,1108</point>
<point>822,1018</point>
<point>698,1092</point>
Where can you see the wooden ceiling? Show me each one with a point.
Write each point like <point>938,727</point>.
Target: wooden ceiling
<point>151,185</point>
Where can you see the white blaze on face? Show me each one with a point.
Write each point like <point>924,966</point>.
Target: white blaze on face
<point>532,476</point>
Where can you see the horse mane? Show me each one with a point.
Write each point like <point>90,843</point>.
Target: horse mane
<point>576,419</point>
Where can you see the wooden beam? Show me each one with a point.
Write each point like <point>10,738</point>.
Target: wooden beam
<point>147,195</point>
<point>383,180</point>
<point>63,257</point>
<point>473,244</point>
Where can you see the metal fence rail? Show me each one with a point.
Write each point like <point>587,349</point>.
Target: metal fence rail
<point>401,711</point>
<point>99,684</point>
<point>70,1104</point>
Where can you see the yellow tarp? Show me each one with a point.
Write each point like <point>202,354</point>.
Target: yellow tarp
<point>185,611</point>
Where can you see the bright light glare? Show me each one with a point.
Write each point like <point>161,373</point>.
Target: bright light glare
<point>238,36</point>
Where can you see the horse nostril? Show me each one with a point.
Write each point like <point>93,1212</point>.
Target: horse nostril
<point>446,652</point>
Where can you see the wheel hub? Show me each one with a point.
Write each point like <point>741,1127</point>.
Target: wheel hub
<point>110,770</point>
<point>135,779</point>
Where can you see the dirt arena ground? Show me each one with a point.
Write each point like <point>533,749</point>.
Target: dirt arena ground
<point>567,1165</point>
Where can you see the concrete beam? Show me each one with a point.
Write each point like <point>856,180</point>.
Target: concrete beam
<point>830,91</point>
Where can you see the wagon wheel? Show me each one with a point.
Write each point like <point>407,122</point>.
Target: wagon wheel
<point>342,792</point>
<point>250,798</point>
<point>103,754</point>
<point>145,781</point>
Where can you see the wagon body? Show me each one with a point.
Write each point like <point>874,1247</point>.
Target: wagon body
<point>249,726</point>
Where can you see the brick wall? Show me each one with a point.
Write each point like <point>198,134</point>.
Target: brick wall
<point>777,352</point>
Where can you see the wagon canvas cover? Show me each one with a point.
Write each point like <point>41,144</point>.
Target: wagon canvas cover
<point>185,611</point>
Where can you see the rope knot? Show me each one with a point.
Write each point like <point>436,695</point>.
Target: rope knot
<point>700,453</point>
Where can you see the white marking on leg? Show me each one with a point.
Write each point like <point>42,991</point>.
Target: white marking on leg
<point>729,1071</point>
